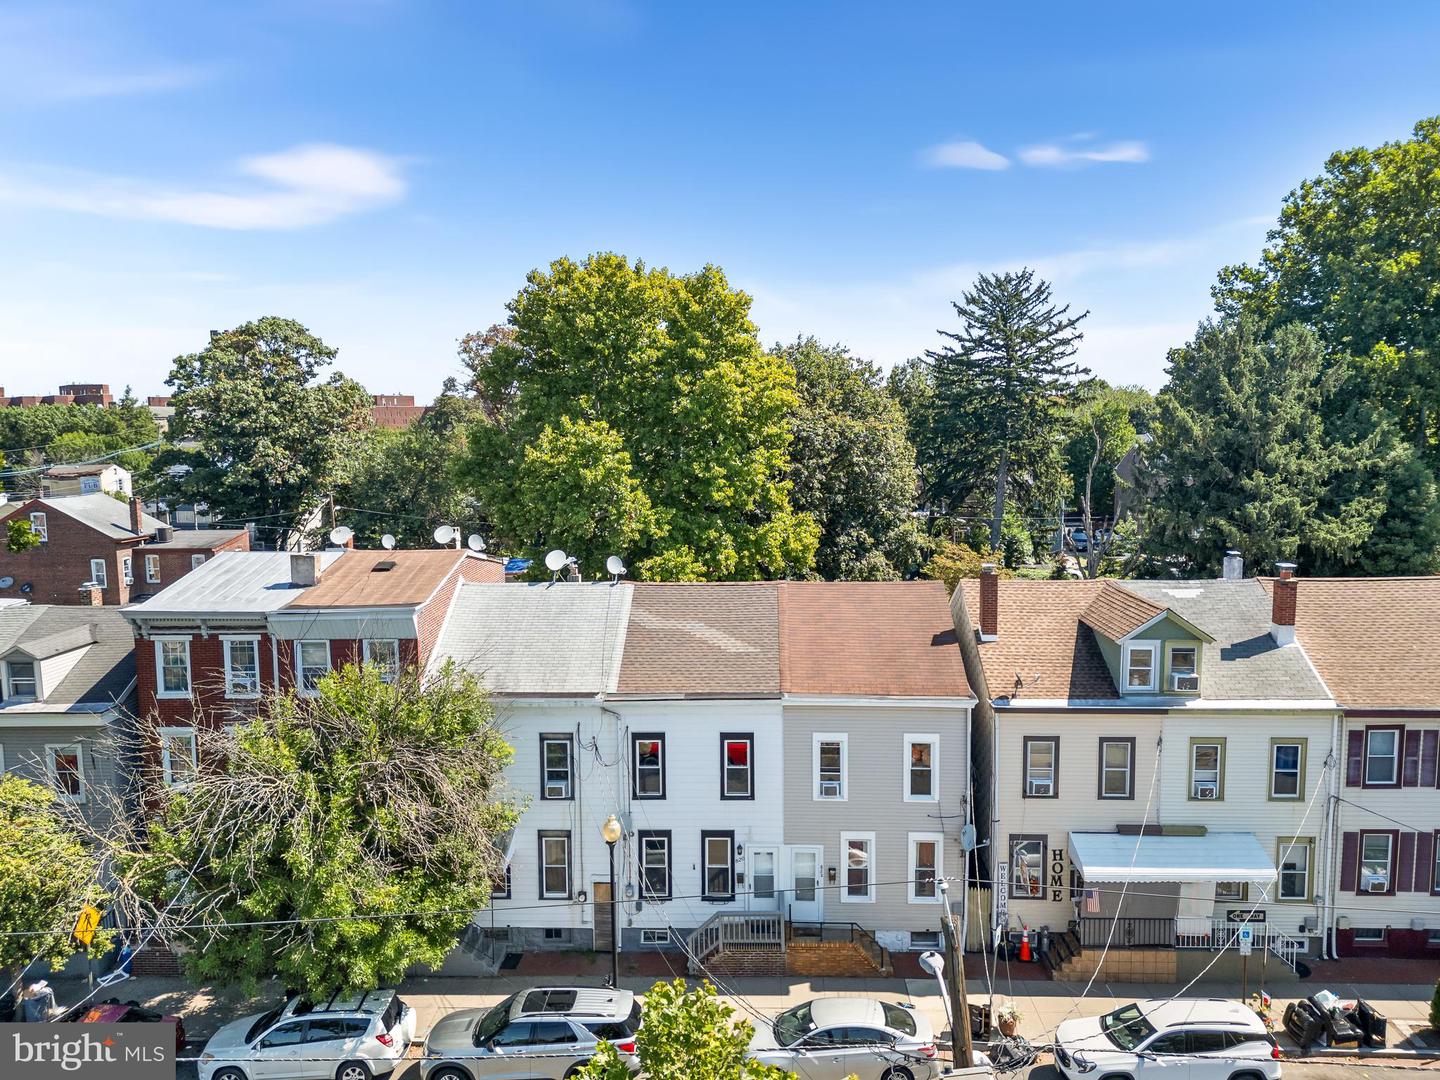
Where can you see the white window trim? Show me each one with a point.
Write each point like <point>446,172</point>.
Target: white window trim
<point>1153,648</point>
<point>152,569</point>
<point>934,796</point>
<point>103,577</point>
<point>938,839</point>
<point>648,936</point>
<point>160,691</point>
<point>568,741</point>
<point>40,526</point>
<point>1306,844</point>
<point>226,642</point>
<point>9,688</point>
<point>569,870</point>
<point>300,670</point>
<point>1390,858</point>
<point>365,654</point>
<point>54,773</point>
<point>844,741</point>
<point>1394,757</point>
<point>165,734</point>
<point>127,570</point>
<point>845,897</point>
<point>1043,740</point>
<point>2,760</point>
<point>1299,769</point>
<point>706,864</point>
<point>1106,769</point>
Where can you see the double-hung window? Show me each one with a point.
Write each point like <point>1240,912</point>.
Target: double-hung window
<point>1027,867</point>
<point>1117,768</point>
<point>152,569</point>
<point>172,667</point>
<point>830,766</point>
<point>922,775</point>
<point>654,864</point>
<point>858,850</point>
<point>1382,757</point>
<point>1377,862</point>
<point>126,575</point>
<point>67,771</point>
<point>1295,856</point>
<point>1184,670</point>
<point>1140,666</point>
<point>20,679</point>
<point>1233,891</point>
<point>737,766</point>
<point>648,763</point>
<point>1042,752</point>
<point>925,870</point>
<point>384,653</point>
<point>557,765</point>
<point>39,527</point>
<point>555,865</point>
<point>242,667</point>
<point>718,849</point>
<point>178,755</point>
<point>1287,768</point>
<point>312,663</point>
<point>1207,769</point>
<point>99,573</point>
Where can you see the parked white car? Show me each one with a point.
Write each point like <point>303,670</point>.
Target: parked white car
<point>1158,1039</point>
<point>356,1036</point>
<point>832,1038</point>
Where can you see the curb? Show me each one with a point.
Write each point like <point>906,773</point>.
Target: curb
<point>1331,1052</point>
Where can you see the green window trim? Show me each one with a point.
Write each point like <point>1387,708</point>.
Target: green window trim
<point>1281,844</point>
<point>1170,647</point>
<point>1304,745</point>
<point>1219,768</point>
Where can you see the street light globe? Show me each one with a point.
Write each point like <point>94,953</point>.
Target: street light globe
<point>933,962</point>
<point>611,830</point>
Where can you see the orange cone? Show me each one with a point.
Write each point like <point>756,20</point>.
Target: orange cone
<point>1024,944</point>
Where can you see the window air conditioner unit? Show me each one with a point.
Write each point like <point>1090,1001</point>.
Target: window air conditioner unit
<point>1207,791</point>
<point>129,579</point>
<point>830,789</point>
<point>1377,883</point>
<point>1182,682</point>
<point>1041,787</point>
<point>555,791</point>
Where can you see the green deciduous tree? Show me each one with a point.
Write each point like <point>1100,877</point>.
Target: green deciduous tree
<point>269,436</point>
<point>672,366</point>
<point>1000,388</point>
<point>686,1035</point>
<point>1101,430</point>
<point>360,827</point>
<point>852,467</point>
<point>20,536</point>
<point>46,874</point>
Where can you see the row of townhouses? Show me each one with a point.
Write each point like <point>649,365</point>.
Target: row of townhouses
<point>1125,770</point>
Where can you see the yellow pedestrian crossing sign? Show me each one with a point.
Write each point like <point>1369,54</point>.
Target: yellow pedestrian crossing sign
<point>87,924</point>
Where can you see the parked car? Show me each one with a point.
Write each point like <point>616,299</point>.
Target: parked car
<point>1185,1039</point>
<point>351,1036</point>
<point>832,1038</point>
<point>541,1032</point>
<point>115,1011</point>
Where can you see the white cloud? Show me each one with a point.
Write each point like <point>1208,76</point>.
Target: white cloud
<point>964,154</point>
<point>305,185</point>
<point>1130,151</point>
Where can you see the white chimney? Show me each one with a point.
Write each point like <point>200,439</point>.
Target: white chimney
<point>304,569</point>
<point>1234,566</point>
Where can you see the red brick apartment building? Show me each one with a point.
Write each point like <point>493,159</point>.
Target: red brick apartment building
<point>97,539</point>
<point>248,623</point>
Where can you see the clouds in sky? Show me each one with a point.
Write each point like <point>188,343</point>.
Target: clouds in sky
<point>307,185</point>
<point>1074,151</point>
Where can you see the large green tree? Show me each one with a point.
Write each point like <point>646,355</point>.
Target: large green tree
<point>663,375</point>
<point>1000,388</point>
<point>259,431</point>
<point>1356,256</point>
<point>1101,430</point>
<point>1243,457</point>
<point>38,435</point>
<point>852,467</point>
<point>333,841</point>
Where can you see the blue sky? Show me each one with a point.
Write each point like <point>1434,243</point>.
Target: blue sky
<point>387,172</point>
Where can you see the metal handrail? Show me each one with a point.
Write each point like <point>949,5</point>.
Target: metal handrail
<point>735,928</point>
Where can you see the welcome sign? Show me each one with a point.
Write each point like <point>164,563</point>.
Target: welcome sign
<point>87,1051</point>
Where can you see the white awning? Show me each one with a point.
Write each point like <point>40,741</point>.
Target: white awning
<point>1216,856</point>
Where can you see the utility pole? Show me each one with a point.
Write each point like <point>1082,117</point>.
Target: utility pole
<point>960,1049</point>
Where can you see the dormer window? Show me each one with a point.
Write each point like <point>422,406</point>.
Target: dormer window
<point>20,679</point>
<point>1139,666</point>
<point>1184,669</point>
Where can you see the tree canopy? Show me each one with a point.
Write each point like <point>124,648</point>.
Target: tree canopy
<point>852,467</point>
<point>269,434</point>
<point>663,376</point>
<point>37,435</point>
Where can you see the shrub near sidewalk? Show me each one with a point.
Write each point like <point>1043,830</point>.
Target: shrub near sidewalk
<point>1435,1008</point>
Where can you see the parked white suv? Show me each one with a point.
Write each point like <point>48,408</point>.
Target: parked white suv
<point>353,1036</point>
<point>1158,1039</point>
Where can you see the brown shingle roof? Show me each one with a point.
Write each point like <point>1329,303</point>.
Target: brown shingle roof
<point>869,638</point>
<point>1042,643</point>
<point>1373,640</point>
<point>703,640</point>
<point>1116,611</point>
<point>352,580</point>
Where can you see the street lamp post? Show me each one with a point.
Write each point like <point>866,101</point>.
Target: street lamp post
<point>612,832</point>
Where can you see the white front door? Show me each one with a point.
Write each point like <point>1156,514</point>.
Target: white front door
<point>764,878</point>
<point>806,898</point>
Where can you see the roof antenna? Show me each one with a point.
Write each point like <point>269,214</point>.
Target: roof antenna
<point>615,567</point>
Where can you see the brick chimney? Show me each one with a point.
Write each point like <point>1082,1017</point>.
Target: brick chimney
<point>1282,605</point>
<point>137,516</point>
<point>989,602</point>
<point>91,595</point>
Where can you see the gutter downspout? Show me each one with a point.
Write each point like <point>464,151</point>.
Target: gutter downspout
<point>1332,814</point>
<point>995,824</point>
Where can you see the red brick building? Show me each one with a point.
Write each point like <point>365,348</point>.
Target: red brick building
<point>99,539</point>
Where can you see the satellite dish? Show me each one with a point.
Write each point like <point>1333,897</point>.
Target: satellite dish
<point>475,542</point>
<point>6,582</point>
<point>387,542</point>
<point>444,534</point>
<point>341,535</point>
<point>555,561</point>
<point>615,566</point>
<point>967,838</point>
<point>27,587</point>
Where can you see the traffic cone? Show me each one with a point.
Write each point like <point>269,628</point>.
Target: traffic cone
<point>1025,956</point>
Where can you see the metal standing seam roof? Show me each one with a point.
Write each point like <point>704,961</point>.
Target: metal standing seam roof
<point>1216,856</point>
<point>231,583</point>
<point>103,674</point>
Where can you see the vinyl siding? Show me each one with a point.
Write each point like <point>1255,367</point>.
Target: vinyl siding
<point>101,749</point>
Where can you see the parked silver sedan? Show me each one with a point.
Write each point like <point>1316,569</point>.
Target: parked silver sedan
<point>832,1038</point>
